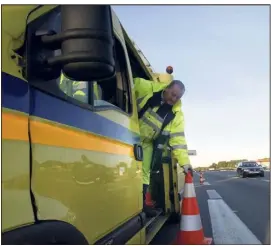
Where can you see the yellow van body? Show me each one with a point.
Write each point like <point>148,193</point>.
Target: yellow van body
<point>63,162</point>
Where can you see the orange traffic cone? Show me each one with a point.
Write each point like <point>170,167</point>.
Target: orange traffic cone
<point>191,232</point>
<point>201,179</point>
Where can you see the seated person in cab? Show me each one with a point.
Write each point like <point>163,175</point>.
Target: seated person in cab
<point>160,116</point>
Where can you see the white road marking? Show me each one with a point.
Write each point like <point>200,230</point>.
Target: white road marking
<point>227,227</point>
<point>213,194</point>
<point>227,179</point>
<point>201,185</point>
<point>266,180</point>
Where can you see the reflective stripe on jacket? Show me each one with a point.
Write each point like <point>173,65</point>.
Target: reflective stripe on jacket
<point>151,123</point>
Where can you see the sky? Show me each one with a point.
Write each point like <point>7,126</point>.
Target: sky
<point>221,53</point>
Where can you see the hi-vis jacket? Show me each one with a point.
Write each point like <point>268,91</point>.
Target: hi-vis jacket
<point>151,123</point>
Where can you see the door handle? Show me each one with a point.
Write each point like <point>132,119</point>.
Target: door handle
<point>138,152</point>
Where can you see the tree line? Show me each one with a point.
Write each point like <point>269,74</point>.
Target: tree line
<point>229,165</point>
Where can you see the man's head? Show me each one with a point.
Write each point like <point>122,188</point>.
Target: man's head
<point>173,92</point>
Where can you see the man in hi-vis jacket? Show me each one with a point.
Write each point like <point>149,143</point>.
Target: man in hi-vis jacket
<point>160,116</point>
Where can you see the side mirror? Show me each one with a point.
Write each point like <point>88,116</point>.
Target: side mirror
<point>86,41</point>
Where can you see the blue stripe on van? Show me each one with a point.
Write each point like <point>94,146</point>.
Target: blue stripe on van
<point>15,95</point>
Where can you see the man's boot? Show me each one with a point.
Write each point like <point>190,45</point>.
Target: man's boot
<point>148,204</point>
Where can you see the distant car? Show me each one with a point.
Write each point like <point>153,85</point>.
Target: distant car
<point>249,168</point>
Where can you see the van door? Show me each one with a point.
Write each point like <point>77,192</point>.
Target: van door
<point>84,169</point>
<point>16,200</point>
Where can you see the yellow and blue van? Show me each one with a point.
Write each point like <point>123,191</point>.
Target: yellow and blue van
<point>71,157</point>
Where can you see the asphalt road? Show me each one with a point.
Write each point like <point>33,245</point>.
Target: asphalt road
<point>240,216</point>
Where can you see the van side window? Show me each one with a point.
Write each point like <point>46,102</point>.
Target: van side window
<point>114,92</point>
<point>62,86</point>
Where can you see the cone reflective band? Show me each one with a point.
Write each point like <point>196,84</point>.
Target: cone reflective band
<point>189,190</point>
<point>191,232</point>
<point>191,223</point>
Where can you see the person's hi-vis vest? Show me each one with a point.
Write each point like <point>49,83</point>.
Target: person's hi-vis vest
<point>79,89</point>
<point>150,123</point>
<point>97,91</point>
<point>82,91</point>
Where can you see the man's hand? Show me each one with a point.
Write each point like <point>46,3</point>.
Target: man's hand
<point>188,168</point>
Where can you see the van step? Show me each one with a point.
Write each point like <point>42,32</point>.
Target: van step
<point>154,226</point>
<point>150,220</point>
